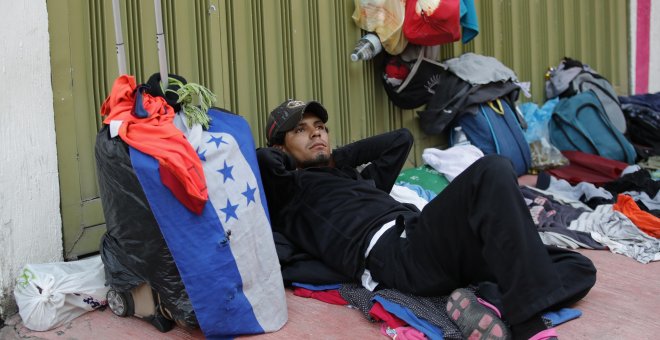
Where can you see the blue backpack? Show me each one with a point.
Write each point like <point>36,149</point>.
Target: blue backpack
<point>580,123</point>
<point>494,129</point>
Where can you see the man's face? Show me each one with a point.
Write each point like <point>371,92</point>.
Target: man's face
<point>308,142</point>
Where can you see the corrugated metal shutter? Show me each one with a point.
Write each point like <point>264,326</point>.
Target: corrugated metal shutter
<point>255,54</point>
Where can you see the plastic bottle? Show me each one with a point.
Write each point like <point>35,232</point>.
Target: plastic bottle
<point>367,47</point>
<point>459,137</point>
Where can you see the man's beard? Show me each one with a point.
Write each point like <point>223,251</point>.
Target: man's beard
<point>320,160</point>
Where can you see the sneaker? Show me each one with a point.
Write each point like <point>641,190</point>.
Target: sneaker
<point>475,320</point>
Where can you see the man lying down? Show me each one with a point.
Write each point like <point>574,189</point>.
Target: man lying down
<point>478,229</point>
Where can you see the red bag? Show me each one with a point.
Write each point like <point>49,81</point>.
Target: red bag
<point>432,22</point>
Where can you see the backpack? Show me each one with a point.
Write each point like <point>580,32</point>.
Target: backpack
<point>421,79</point>
<point>603,89</point>
<point>454,96</point>
<point>494,128</point>
<point>580,123</point>
<point>572,77</point>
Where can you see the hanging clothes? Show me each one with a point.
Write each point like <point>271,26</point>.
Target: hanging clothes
<point>469,21</point>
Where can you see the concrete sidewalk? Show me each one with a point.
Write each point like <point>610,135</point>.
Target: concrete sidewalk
<point>308,319</point>
<point>624,304</point>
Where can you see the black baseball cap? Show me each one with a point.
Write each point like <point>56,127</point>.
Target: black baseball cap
<point>287,115</point>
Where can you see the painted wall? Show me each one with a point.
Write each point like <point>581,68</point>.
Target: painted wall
<point>30,222</point>
<point>644,46</point>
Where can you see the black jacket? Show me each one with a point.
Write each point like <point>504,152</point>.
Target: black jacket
<point>331,213</point>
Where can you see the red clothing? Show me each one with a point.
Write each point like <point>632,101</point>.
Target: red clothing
<point>180,168</point>
<point>379,313</point>
<point>589,168</point>
<point>329,296</point>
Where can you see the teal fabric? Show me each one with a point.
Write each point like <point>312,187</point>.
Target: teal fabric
<point>469,21</point>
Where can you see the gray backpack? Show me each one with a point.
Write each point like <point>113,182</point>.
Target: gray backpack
<point>586,81</point>
<point>572,77</point>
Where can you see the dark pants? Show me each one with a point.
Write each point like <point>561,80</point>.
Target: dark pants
<point>480,229</point>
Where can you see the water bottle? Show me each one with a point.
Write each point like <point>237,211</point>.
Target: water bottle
<point>459,137</point>
<point>367,47</point>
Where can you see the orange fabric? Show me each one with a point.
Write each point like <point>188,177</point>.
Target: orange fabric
<point>180,168</point>
<point>645,221</point>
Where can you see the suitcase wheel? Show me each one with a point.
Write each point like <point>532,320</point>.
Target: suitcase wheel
<point>120,303</point>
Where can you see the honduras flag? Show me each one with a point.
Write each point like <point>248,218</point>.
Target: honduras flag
<point>226,255</point>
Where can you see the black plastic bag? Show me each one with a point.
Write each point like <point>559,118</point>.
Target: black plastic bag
<point>133,249</point>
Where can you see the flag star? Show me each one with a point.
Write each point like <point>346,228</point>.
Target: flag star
<point>230,211</point>
<point>226,172</point>
<point>249,194</point>
<point>201,155</point>
<point>217,141</point>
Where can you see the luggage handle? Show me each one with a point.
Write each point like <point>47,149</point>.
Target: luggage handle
<point>160,41</point>
<point>119,39</point>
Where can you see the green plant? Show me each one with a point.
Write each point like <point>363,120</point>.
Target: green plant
<point>195,112</point>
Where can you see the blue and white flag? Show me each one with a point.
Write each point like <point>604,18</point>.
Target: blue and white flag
<point>226,256</point>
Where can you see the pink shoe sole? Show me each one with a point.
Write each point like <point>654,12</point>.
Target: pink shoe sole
<point>476,321</point>
<point>548,334</point>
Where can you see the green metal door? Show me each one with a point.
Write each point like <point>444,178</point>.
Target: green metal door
<point>254,54</point>
<point>74,97</point>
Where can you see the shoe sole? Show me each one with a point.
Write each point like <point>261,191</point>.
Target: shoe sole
<point>476,321</point>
